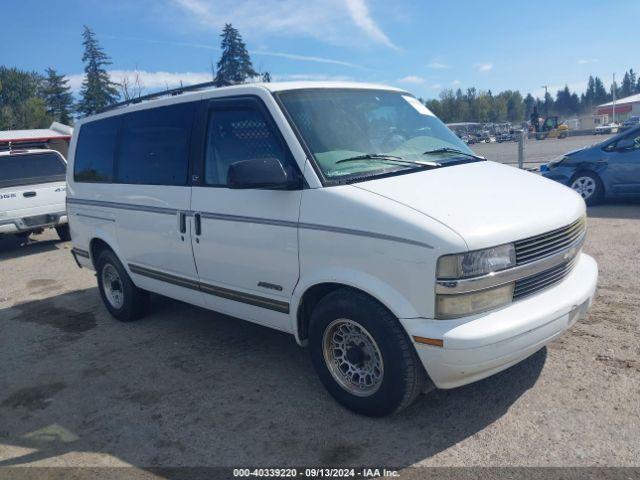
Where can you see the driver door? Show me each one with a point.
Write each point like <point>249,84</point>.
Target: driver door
<point>623,169</point>
<point>245,241</point>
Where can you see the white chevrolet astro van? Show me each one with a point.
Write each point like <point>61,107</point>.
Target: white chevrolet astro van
<point>345,214</point>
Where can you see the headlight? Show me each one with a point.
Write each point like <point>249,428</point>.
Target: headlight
<point>460,305</point>
<point>479,262</point>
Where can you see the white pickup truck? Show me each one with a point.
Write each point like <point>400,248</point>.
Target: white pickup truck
<point>33,192</point>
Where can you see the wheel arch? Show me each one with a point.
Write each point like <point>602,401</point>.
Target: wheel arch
<point>584,167</point>
<point>307,296</point>
<point>98,244</point>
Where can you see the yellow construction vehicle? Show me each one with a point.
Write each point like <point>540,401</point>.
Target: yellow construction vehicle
<point>552,128</point>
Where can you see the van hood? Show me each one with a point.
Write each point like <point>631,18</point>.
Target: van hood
<point>486,203</point>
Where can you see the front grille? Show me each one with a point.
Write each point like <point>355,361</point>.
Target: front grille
<point>537,282</point>
<point>540,246</point>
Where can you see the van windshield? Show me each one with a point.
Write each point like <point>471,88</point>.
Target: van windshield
<point>377,132</point>
<point>31,168</point>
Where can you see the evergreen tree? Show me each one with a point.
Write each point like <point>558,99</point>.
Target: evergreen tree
<point>600,94</point>
<point>234,65</point>
<point>628,85</point>
<point>266,77</point>
<point>20,104</point>
<point>57,97</point>
<point>98,91</point>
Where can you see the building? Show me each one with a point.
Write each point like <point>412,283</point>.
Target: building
<point>625,107</point>
<point>56,137</point>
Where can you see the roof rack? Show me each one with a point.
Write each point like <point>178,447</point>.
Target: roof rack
<point>169,92</point>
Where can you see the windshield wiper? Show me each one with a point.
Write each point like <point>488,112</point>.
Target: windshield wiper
<point>454,151</point>
<point>392,158</point>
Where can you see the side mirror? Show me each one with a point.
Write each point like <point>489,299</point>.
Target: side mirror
<point>265,173</point>
<point>625,144</point>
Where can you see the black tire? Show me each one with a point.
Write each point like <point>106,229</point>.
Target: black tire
<point>598,194</point>
<point>403,376</point>
<point>135,301</point>
<point>64,232</point>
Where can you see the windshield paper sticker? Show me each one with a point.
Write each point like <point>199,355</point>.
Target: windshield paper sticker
<point>415,103</point>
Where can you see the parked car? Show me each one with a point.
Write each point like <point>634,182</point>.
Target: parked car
<point>505,137</point>
<point>630,123</point>
<point>610,169</point>
<point>606,128</point>
<point>32,192</point>
<point>317,209</point>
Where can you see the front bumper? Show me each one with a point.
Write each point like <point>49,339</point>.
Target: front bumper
<point>477,347</point>
<point>558,174</point>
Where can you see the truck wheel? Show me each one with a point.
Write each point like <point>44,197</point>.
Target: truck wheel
<point>123,299</point>
<point>63,232</point>
<point>362,354</point>
<point>589,186</point>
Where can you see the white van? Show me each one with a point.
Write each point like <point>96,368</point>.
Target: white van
<point>345,214</point>
<point>32,192</point>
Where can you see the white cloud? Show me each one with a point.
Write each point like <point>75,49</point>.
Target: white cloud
<point>436,86</point>
<point>150,81</point>
<point>584,61</point>
<point>455,83</point>
<point>484,67</point>
<point>438,66</point>
<point>416,80</point>
<point>265,53</point>
<point>329,21</point>
<point>362,18</point>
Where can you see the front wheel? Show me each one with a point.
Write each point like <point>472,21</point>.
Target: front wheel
<point>362,354</point>
<point>589,186</point>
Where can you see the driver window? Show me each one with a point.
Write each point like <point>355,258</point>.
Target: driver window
<point>235,134</point>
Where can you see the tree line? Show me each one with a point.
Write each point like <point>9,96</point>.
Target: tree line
<point>33,100</point>
<point>509,105</point>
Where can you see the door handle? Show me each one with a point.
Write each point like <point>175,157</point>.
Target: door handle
<point>182,222</point>
<point>197,223</point>
<point>29,194</point>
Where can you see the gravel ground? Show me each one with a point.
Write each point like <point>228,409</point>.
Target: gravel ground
<point>537,151</point>
<point>187,387</point>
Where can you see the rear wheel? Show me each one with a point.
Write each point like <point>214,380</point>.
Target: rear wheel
<point>589,186</point>
<point>123,299</point>
<point>63,232</point>
<point>362,354</point>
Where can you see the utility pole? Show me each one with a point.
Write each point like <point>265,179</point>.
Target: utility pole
<point>613,91</point>
<point>546,107</point>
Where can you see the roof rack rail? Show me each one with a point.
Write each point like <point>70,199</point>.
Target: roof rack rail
<point>169,92</point>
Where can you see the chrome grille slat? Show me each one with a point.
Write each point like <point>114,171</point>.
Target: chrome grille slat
<point>525,244</point>
<point>525,282</point>
<point>528,240</point>
<point>535,283</point>
<point>539,246</point>
<point>541,252</point>
<point>534,286</point>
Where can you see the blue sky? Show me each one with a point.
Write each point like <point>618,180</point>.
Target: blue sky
<point>423,46</point>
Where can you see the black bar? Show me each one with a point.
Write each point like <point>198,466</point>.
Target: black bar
<point>151,96</point>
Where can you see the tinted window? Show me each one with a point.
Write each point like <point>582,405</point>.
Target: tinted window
<point>154,146</point>
<point>95,150</point>
<point>237,134</point>
<point>25,169</point>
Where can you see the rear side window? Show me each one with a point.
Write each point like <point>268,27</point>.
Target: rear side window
<point>154,146</point>
<point>95,151</point>
<point>236,134</point>
<point>31,168</point>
